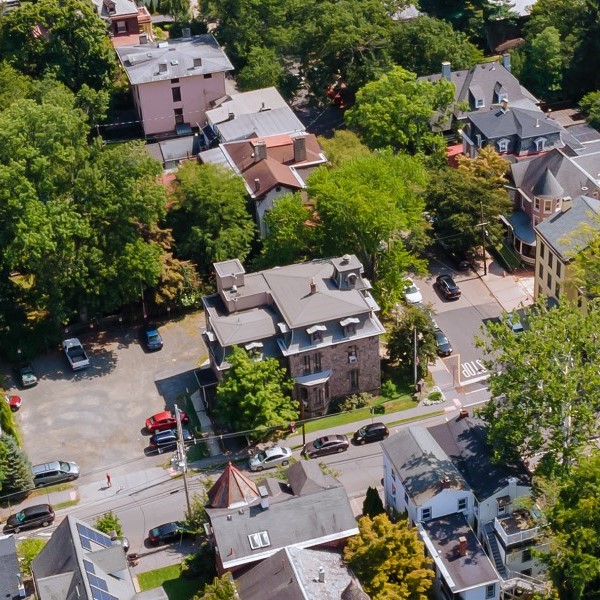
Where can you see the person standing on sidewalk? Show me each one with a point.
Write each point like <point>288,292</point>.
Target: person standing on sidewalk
<point>108,481</point>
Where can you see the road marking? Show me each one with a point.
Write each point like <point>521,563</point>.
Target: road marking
<point>471,369</point>
<point>474,380</point>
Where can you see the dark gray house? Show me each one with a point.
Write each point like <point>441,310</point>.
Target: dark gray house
<point>317,318</point>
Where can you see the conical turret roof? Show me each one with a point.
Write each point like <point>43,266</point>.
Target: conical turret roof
<point>232,489</point>
<point>353,592</point>
<point>547,186</point>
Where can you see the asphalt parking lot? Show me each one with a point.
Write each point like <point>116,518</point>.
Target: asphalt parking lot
<point>95,417</point>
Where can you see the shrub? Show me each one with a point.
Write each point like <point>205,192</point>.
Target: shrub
<point>389,389</point>
<point>352,402</point>
<point>108,523</point>
<point>200,565</point>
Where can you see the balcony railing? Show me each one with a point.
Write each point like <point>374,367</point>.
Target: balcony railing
<point>511,533</point>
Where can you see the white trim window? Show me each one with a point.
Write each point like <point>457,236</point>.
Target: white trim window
<point>479,103</point>
<point>503,145</point>
<point>259,540</point>
<point>540,144</point>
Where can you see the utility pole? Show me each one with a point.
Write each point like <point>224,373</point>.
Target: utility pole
<point>415,360</point>
<point>482,225</point>
<point>182,458</point>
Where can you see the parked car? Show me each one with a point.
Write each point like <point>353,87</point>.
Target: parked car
<point>27,376</point>
<point>462,261</point>
<point>152,338</point>
<point>329,444</point>
<point>444,348</point>
<point>447,287</point>
<point>38,515</point>
<point>168,532</point>
<point>75,354</point>
<point>55,471</point>
<point>13,401</point>
<point>163,441</point>
<point>164,420</point>
<point>513,321</point>
<point>271,457</point>
<point>412,294</point>
<point>375,432</point>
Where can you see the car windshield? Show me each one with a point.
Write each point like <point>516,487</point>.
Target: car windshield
<point>362,431</point>
<point>318,443</point>
<point>65,466</point>
<point>261,456</point>
<point>152,336</point>
<point>411,289</point>
<point>441,338</point>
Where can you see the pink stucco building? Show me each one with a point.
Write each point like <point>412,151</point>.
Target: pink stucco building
<point>174,82</point>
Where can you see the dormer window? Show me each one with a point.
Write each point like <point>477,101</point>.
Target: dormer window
<point>502,145</point>
<point>254,350</point>
<point>479,103</point>
<point>540,144</point>
<point>351,279</point>
<point>349,326</point>
<point>316,333</point>
<point>502,97</point>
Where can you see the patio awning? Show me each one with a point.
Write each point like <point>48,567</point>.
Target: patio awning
<point>313,378</point>
<point>520,223</point>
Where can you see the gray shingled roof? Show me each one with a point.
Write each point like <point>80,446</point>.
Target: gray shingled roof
<point>474,569</point>
<point>547,186</point>
<point>498,123</point>
<point>141,62</point>
<point>421,464</point>
<point>307,520</point>
<point>122,7</point>
<point>260,124</point>
<point>464,442</point>
<point>245,103</point>
<point>562,231</point>
<point>571,174</point>
<point>9,568</point>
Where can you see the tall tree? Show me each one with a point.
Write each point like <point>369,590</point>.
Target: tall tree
<point>344,145</point>
<point>590,105</point>
<point>67,38</point>
<point>544,384</point>
<point>543,69</point>
<point>398,111</point>
<point>209,217</point>
<point>291,233</point>
<point>421,45</point>
<point>368,204</point>
<point>255,394</point>
<point>16,476</point>
<point>573,555</point>
<point>372,505</point>
<point>389,560</point>
<point>584,268</point>
<point>222,588</point>
<point>262,70</point>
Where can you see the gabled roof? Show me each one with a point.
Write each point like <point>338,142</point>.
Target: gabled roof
<point>9,568</point>
<point>293,574</point>
<point>421,464</point>
<point>122,7</point>
<point>143,62</point>
<point>498,123</point>
<point>573,177</point>
<point>282,518</point>
<point>80,561</point>
<point>232,489</point>
<point>464,442</point>
<point>562,232</point>
<point>461,572</point>
<point>485,79</point>
<point>276,121</point>
<point>264,99</point>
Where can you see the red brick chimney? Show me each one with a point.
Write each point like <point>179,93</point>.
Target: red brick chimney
<point>462,545</point>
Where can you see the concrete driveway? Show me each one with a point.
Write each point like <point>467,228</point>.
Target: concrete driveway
<point>95,417</point>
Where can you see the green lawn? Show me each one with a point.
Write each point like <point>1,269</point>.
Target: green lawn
<point>176,587</point>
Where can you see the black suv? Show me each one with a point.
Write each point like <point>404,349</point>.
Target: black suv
<point>375,432</point>
<point>32,516</point>
<point>162,441</point>
<point>447,287</point>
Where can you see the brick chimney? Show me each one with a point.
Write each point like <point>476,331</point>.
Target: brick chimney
<point>260,150</point>
<point>313,286</point>
<point>462,545</point>
<point>299,148</point>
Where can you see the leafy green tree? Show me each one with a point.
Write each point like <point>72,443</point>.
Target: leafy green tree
<point>543,70</point>
<point>222,588</point>
<point>291,233</point>
<point>590,105</point>
<point>109,522</point>
<point>488,165</point>
<point>389,559</point>
<point>179,9</point>
<point>544,385</point>
<point>209,218</point>
<point>7,418</point>
<point>262,70</point>
<point>27,551</point>
<point>371,206</point>
<point>372,505</point>
<point>398,111</point>
<point>573,556</point>
<point>456,200</point>
<point>255,394</point>
<point>343,146</point>
<point>400,342</point>
<point>584,268</point>
<point>14,86</point>
<point>196,516</point>
<point>17,480</point>
<point>66,38</point>
<point>421,45</point>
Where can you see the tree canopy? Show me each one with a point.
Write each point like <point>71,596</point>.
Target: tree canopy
<point>590,105</point>
<point>262,70</point>
<point>389,559</point>
<point>544,385</point>
<point>16,476</point>
<point>398,111</point>
<point>255,394</point>
<point>209,217</point>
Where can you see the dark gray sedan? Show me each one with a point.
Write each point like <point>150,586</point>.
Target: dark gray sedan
<point>329,444</point>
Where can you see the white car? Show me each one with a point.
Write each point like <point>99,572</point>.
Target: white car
<point>271,457</point>
<point>412,293</point>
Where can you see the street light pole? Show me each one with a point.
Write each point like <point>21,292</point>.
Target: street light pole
<point>415,358</point>
<point>182,456</point>
<point>482,225</point>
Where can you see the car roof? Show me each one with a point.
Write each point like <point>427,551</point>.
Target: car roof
<point>165,414</point>
<point>446,277</point>
<point>275,450</point>
<point>37,509</point>
<point>172,526</point>
<point>163,434</point>
<point>333,438</point>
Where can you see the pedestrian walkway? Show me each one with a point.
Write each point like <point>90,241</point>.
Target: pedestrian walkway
<point>212,444</point>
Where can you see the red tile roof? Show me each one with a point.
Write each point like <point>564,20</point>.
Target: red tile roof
<point>232,489</point>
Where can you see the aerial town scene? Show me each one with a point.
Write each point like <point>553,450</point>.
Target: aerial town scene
<point>299,299</point>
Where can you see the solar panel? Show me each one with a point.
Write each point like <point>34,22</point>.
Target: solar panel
<point>97,582</point>
<point>102,595</point>
<point>89,567</point>
<point>86,535</point>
